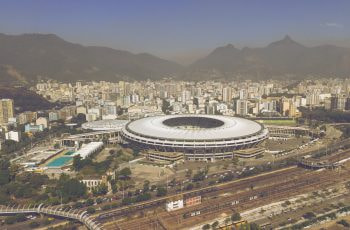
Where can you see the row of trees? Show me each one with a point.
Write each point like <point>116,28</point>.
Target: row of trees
<point>323,115</point>
<point>234,218</point>
<point>97,167</point>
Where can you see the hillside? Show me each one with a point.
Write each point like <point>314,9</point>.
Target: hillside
<point>278,58</point>
<point>30,57</point>
<point>24,99</point>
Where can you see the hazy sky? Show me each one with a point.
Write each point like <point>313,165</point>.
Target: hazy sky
<point>180,29</point>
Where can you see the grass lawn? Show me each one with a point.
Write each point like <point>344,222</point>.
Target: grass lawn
<point>279,122</point>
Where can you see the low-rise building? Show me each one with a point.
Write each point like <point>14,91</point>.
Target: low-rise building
<point>27,117</point>
<point>174,203</point>
<point>191,201</point>
<point>92,183</point>
<point>31,128</point>
<point>164,157</point>
<point>13,135</point>
<point>53,116</point>
<point>42,121</point>
<point>249,153</point>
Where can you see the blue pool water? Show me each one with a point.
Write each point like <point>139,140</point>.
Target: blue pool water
<point>59,162</point>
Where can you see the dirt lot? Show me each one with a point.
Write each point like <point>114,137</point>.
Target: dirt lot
<point>280,145</point>
<point>155,174</point>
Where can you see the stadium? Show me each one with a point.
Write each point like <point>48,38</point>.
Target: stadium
<point>198,137</point>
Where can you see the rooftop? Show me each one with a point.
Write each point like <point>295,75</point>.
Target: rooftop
<point>199,127</point>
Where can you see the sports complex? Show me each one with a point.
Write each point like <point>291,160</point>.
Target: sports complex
<point>198,137</point>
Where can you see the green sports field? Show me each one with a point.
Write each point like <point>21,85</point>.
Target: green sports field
<point>278,122</point>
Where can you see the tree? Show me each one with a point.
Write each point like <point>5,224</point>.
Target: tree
<point>79,119</point>
<point>111,152</point>
<point>37,180</point>
<point>89,202</point>
<point>20,217</point>
<point>143,197</point>
<point>344,223</point>
<point>215,225</point>
<point>254,226</point>
<point>309,215</point>
<point>236,217</point>
<point>77,163</point>
<point>206,227</point>
<point>125,172</point>
<point>70,188</point>
<point>161,191</point>
<point>102,189</point>
<point>99,200</point>
<point>91,210</point>
<point>4,171</point>
<point>56,146</point>
<point>135,152</point>
<point>199,176</point>
<point>4,177</point>
<point>34,224</point>
<point>189,186</point>
<point>10,220</point>
<point>78,205</point>
<point>127,201</point>
<point>146,186</point>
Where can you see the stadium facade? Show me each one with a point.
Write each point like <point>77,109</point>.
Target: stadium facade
<point>198,137</point>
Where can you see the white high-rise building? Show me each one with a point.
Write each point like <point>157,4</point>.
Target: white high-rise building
<point>242,107</point>
<point>226,94</point>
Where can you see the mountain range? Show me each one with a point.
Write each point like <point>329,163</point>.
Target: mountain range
<point>277,59</point>
<point>30,57</point>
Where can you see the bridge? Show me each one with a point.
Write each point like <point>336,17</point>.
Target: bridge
<point>57,211</point>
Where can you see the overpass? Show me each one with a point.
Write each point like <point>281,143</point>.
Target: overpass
<point>80,216</point>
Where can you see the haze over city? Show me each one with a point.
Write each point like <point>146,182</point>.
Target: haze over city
<point>174,115</point>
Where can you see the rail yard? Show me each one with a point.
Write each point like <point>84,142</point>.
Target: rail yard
<point>226,198</point>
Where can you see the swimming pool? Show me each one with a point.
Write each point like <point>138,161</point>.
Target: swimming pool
<point>59,162</point>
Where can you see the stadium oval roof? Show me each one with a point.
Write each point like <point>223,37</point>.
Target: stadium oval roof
<point>103,125</point>
<point>198,127</point>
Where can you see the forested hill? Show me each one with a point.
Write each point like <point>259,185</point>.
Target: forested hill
<point>24,99</point>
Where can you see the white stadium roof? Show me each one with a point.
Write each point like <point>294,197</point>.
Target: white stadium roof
<point>229,128</point>
<point>103,125</point>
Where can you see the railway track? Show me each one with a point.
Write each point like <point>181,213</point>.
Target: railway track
<point>236,202</point>
<point>254,181</point>
<point>261,197</point>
